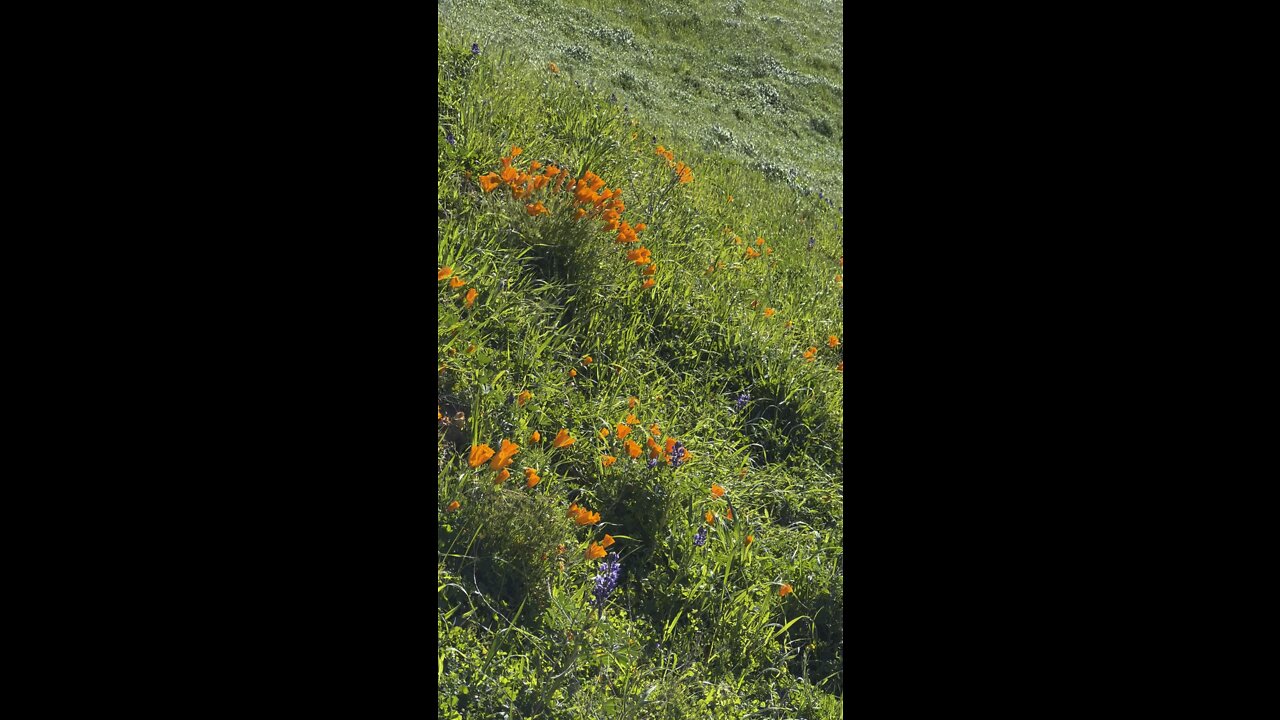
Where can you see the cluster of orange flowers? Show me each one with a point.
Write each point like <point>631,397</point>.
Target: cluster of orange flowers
<point>468,298</point>
<point>683,173</point>
<point>812,353</point>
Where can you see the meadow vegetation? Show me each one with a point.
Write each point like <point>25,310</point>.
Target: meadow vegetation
<point>640,391</point>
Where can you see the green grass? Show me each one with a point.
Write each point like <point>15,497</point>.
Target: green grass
<point>759,83</point>
<point>690,632</point>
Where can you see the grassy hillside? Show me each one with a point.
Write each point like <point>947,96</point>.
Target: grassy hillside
<point>693,321</point>
<point>758,82</point>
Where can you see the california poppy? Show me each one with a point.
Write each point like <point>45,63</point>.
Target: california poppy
<point>651,269</point>
<point>453,506</point>
<point>633,450</point>
<point>471,297</point>
<point>505,453</point>
<point>716,490</point>
<point>444,272</point>
<point>573,373</point>
<point>608,540</point>
<point>623,431</point>
<point>759,241</point>
<point>524,398</point>
<point>479,454</point>
<point>641,226</point>
<point>489,182</point>
<point>631,403</point>
<point>769,312</point>
<point>711,519</point>
<point>502,476</point>
<point>531,477</point>
<point>728,513</point>
<point>647,284</point>
<point>515,151</point>
<point>457,282</point>
<point>562,439</point>
<point>595,551</point>
<point>604,433</point>
<point>608,460</point>
<point>808,354</point>
<point>535,437</point>
<point>750,539</point>
<point>785,590</point>
<point>832,342</point>
<point>631,418</point>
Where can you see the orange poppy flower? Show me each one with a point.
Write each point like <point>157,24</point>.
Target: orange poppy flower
<point>759,241</point>
<point>832,342</point>
<point>808,354</point>
<point>444,272</point>
<point>515,151</point>
<point>647,284</point>
<point>489,181</point>
<point>768,251</point>
<point>641,226</point>
<point>502,477</point>
<point>633,450</point>
<point>505,453</point>
<point>728,513</point>
<point>608,460</point>
<point>471,297</point>
<point>479,454</point>
<point>586,360</point>
<point>562,439</point>
<point>711,519</point>
<point>671,445</point>
<point>608,540</point>
<point>654,450</point>
<point>531,477</point>
<point>595,551</point>
<point>623,431</point>
<point>631,418</point>
<point>750,539</point>
<point>716,490</point>
<point>769,312</point>
<point>785,590</point>
<point>604,433</point>
<point>573,373</point>
<point>457,282</point>
<point>840,367</point>
<point>651,269</point>
<point>535,437</point>
<point>524,398</point>
<point>631,403</point>
<point>453,506</point>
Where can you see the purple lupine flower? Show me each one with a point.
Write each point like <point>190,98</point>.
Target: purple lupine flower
<point>653,463</point>
<point>701,537</point>
<point>475,49</point>
<point>448,137</point>
<point>743,399</point>
<point>677,454</point>
<point>607,580</point>
<point>812,240</point>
